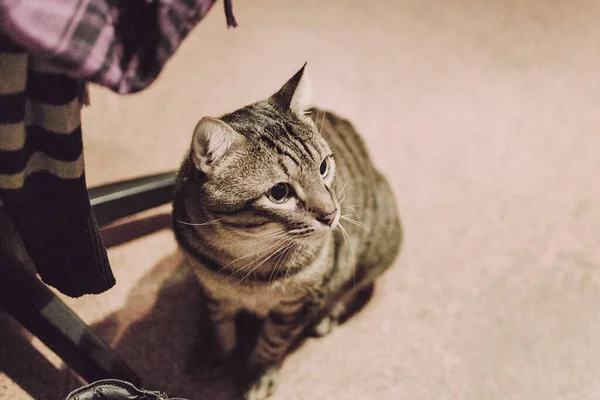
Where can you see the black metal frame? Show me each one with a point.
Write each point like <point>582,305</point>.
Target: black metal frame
<point>40,311</point>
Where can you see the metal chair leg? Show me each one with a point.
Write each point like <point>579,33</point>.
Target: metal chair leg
<point>41,312</point>
<point>122,199</point>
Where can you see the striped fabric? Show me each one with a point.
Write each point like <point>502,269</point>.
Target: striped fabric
<point>42,181</point>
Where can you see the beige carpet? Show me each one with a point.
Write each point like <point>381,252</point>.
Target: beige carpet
<point>484,115</point>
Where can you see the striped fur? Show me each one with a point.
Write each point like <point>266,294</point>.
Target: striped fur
<point>278,261</point>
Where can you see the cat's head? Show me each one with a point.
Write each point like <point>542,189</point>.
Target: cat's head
<point>266,166</point>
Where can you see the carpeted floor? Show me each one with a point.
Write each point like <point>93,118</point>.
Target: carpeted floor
<point>484,116</point>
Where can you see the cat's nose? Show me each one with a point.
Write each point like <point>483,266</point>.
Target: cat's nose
<point>328,219</point>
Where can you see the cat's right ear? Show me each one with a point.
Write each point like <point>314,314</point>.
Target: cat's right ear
<point>295,94</point>
<point>212,140</point>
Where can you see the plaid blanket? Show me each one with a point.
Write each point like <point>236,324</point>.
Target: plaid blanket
<point>48,50</point>
<point>119,44</point>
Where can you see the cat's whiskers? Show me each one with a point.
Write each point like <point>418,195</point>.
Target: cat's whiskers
<point>347,206</point>
<point>268,236</point>
<point>263,238</point>
<point>329,142</point>
<point>349,247</point>
<point>323,122</point>
<point>299,250</point>
<point>299,246</point>
<point>354,212</point>
<point>355,222</point>
<point>200,223</point>
<point>276,241</point>
<point>259,259</point>
<point>341,193</point>
<point>284,254</point>
<point>237,245</point>
<point>241,245</point>
<point>295,253</point>
<point>261,263</point>
<point>263,249</point>
<point>257,239</point>
<point>279,258</point>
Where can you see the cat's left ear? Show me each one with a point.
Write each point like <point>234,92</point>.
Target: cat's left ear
<point>295,94</point>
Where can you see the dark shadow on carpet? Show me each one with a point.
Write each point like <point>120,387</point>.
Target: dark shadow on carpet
<point>170,345</point>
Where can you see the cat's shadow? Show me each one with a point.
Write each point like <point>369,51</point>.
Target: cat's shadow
<point>163,335</point>
<point>166,345</point>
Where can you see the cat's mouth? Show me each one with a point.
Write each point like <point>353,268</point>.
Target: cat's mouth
<point>336,220</point>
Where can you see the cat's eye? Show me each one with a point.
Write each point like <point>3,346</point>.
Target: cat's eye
<point>279,193</point>
<point>324,168</point>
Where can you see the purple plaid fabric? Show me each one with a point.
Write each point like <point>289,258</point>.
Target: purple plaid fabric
<point>120,44</point>
<point>48,49</point>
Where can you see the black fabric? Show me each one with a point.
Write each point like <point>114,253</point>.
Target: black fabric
<point>8,46</point>
<point>12,108</point>
<point>54,218</point>
<point>51,88</point>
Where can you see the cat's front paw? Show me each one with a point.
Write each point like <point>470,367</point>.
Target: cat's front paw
<point>263,385</point>
<point>325,326</point>
<point>329,322</point>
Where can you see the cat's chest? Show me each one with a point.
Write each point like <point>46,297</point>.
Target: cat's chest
<point>261,302</point>
<point>256,298</point>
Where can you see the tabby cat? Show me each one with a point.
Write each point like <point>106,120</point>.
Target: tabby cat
<point>284,216</point>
